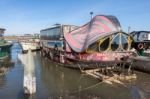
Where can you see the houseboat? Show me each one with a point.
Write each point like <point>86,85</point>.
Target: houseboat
<point>99,43</point>
<point>4,45</point>
<point>30,42</point>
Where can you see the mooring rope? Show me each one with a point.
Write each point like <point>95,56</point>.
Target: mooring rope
<point>86,88</point>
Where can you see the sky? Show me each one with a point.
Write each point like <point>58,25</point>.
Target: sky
<point>20,17</point>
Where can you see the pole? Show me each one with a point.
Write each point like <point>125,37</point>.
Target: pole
<point>129,28</point>
<point>91,13</point>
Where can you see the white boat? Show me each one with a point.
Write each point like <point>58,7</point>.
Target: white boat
<point>33,45</point>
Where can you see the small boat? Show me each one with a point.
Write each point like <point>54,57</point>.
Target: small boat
<point>4,45</point>
<point>30,43</point>
<point>99,43</point>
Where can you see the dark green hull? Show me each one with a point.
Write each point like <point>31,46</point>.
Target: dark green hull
<point>5,50</point>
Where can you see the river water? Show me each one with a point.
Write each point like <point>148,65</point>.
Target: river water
<point>57,82</point>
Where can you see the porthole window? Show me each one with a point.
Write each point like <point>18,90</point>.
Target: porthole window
<point>124,41</point>
<point>105,44</point>
<point>115,42</point>
<point>93,47</point>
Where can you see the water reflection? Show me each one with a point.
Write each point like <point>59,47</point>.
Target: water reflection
<point>2,81</point>
<point>29,72</point>
<point>57,82</point>
<point>65,83</point>
<point>143,85</point>
<point>5,66</point>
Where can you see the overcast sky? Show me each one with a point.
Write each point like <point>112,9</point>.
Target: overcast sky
<point>30,16</point>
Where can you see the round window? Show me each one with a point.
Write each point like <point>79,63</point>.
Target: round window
<point>115,42</point>
<point>124,41</point>
<point>93,47</point>
<point>105,44</point>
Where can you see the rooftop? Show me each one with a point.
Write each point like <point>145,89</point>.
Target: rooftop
<point>2,29</point>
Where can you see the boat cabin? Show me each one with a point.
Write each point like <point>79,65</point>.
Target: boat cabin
<point>4,45</point>
<point>2,33</point>
<point>118,41</point>
<point>54,36</point>
<point>141,39</point>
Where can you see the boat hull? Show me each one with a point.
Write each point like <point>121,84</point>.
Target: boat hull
<point>147,53</point>
<point>27,46</point>
<point>5,50</point>
<point>81,64</point>
<point>142,63</point>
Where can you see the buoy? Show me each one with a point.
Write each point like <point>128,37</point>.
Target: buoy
<point>140,46</point>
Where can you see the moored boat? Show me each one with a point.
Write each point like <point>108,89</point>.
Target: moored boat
<point>30,42</point>
<point>142,42</point>
<point>4,45</point>
<point>99,43</point>
<point>141,45</point>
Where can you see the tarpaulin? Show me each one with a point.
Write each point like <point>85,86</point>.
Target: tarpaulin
<point>79,39</point>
